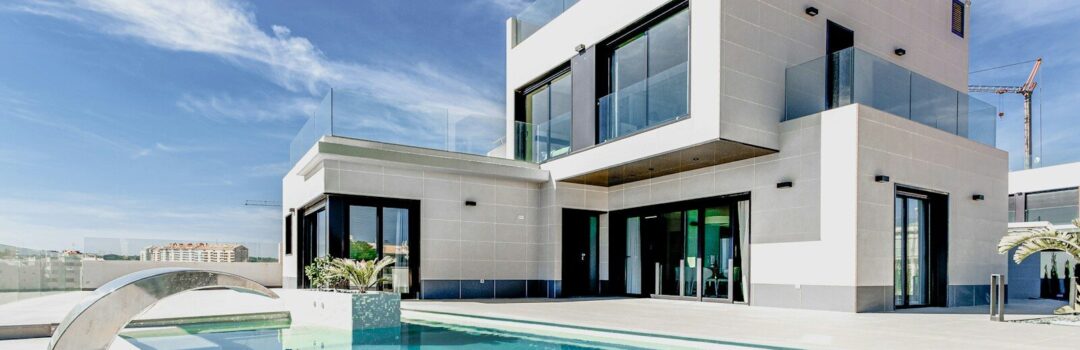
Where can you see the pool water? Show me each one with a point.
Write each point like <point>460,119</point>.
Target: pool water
<point>411,335</point>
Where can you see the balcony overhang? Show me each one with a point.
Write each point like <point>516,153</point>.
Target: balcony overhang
<point>690,158</point>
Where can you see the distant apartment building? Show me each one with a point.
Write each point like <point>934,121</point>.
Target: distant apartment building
<point>196,252</point>
<point>43,272</point>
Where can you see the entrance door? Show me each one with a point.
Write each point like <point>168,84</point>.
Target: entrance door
<point>910,255</point>
<point>581,258</point>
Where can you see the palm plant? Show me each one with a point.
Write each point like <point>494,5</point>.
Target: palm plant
<point>1028,241</point>
<point>362,274</point>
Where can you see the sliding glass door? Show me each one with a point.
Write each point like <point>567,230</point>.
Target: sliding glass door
<point>692,250</point>
<point>910,252</point>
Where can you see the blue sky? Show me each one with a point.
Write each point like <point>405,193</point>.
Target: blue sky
<point>157,119</point>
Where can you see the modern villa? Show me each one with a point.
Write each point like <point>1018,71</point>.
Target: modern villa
<point>815,155</point>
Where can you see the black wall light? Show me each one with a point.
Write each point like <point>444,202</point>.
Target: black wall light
<point>811,11</point>
<point>784,184</point>
<point>881,178</point>
<point>900,51</point>
<point>470,203</point>
<point>977,197</point>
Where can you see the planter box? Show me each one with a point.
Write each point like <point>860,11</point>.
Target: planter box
<point>343,310</point>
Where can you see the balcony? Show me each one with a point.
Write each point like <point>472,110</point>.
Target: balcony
<point>353,114</point>
<point>860,77</point>
<point>539,143</point>
<point>537,15</point>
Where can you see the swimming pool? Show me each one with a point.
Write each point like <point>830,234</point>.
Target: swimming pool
<point>412,335</point>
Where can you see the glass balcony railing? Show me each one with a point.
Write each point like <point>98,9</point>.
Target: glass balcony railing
<point>539,143</point>
<point>658,99</point>
<point>353,114</point>
<point>860,77</point>
<point>537,15</point>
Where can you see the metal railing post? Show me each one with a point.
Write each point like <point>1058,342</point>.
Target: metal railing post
<point>657,280</point>
<point>682,277</point>
<point>1072,293</point>
<point>700,280</point>
<point>1001,298</point>
<point>997,297</point>
<point>993,295</point>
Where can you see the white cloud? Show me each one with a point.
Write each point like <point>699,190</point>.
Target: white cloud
<point>510,5</point>
<point>229,30</point>
<point>277,169</point>
<point>224,107</point>
<point>64,220</point>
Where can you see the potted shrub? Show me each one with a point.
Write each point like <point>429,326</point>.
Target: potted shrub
<point>344,296</point>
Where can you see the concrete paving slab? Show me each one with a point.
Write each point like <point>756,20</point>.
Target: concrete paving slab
<point>957,328</point>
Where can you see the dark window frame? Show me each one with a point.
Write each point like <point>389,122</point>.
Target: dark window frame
<point>520,98</point>
<point>288,235</point>
<point>606,49</point>
<point>958,9</point>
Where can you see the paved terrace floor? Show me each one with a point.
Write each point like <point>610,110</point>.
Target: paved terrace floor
<point>928,328</point>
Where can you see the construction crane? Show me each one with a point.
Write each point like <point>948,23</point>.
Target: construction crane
<point>1025,90</point>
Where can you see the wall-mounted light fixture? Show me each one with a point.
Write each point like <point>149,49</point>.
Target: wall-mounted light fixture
<point>292,210</point>
<point>784,184</point>
<point>977,197</point>
<point>811,11</point>
<point>580,48</point>
<point>470,203</point>
<point>881,178</point>
<point>900,51</point>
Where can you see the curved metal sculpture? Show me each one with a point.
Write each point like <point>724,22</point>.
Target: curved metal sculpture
<point>95,322</point>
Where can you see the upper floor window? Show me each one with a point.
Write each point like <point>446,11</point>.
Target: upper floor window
<point>958,18</point>
<point>647,78</point>
<point>1059,207</point>
<point>543,130</point>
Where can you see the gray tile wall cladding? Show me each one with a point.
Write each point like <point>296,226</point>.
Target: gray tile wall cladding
<point>488,289</point>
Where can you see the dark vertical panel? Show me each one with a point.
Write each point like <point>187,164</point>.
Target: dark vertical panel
<point>616,255</point>
<point>939,249</point>
<point>584,87</point>
<point>337,215</point>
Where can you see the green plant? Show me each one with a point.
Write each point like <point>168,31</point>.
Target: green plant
<point>320,273</point>
<point>1028,241</point>
<point>362,274</point>
<point>360,250</point>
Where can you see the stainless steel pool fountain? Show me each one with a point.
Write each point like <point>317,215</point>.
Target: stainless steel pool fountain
<point>95,322</point>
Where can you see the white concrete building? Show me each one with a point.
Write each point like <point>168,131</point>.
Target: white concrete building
<point>1049,194</point>
<point>808,155</point>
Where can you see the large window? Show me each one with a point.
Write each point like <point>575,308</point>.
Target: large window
<point>648,78</point>
<point>547,119</point>
<point>1059,207</point>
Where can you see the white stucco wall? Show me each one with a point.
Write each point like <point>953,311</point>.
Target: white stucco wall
<point>738,56</point>
<point>919,156</point>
